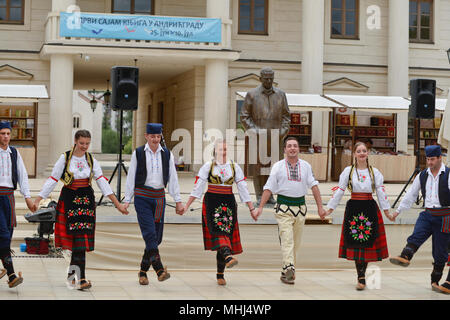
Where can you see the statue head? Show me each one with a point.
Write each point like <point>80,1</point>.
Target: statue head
<point>266,77</point>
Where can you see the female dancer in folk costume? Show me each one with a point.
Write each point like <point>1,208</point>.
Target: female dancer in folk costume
<point>363,237</point>
<point>75,212</point>
<point>219,211</point>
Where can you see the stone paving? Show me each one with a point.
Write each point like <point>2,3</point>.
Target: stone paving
<point>320,274</point>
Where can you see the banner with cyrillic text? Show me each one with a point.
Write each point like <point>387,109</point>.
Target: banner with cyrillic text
<point>91,25</point>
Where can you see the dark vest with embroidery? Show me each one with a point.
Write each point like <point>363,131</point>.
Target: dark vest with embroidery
<point>67,177</point>
<point>213,179</point>
<point>141,169</point>
<point>15,174</point>
<point>444,191</point>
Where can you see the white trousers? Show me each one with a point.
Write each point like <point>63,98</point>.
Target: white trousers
<point>290,229</point>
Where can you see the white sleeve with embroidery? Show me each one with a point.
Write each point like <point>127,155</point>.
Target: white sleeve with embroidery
<point>101,180</point>
<point>129,188</point>
<point>340,190</point>
<point>410,196</point>
<point>201,181</point>
<point>173,185</point>
<point>381,192</point>
<point>310,179</point>
<point>241,184</point>
<point>52,181</point>
<point>23,177</point>
<point>272,183</point>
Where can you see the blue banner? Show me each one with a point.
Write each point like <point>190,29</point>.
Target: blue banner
<point>91,25</point>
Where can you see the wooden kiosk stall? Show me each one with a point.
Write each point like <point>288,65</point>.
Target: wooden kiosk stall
<point>19,105</point>
<point>301,107</point>
<point>370,119</point>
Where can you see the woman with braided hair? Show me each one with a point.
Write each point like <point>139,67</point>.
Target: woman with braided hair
<point>219,211</point>
<point>363,236</point>
<point>75,212</point>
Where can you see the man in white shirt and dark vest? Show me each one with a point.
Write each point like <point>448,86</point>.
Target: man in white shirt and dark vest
<point>152,168</point>
<point>434,183</point>
<point>290,179</point>
<point>12,171</point>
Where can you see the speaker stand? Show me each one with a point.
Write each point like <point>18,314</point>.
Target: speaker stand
<point>417,169</point>
<point>119,165</point>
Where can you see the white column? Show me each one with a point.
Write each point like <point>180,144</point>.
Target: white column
<point>62,5</point>
<point>218,9</point>
<point>398,73</point>
<point>60,114</point>
<point>216,95</point>
<point>216,77</point>
<point>312,62</point>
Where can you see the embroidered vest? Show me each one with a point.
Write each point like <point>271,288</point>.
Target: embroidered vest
<point>372,177</point>
<point>67,177</point>
<point>15,174</point>
<point>444,192</point>
<point>215,179</point>
<point>141,169</point>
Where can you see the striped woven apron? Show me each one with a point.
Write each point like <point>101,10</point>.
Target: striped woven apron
<point>445,214</point>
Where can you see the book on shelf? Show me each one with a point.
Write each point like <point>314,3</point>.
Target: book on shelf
<point>30,123</point>
<point>437,123</point>
<point>304,118</point>
<point>427,123</point>
<point>295,118</point>
<point>28,133</point>
<point>14,133</point>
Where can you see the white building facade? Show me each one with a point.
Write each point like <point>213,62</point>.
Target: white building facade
<point>357,47</point>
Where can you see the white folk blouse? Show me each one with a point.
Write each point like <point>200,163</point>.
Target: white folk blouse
<point>225,172</point>
<point>361,182</point>
<point>80,169</point>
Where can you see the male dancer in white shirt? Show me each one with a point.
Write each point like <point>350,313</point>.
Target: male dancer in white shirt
<point>290,179</point>
<point>12,171</point>
<point>434,183</point>
<point>152,168</point>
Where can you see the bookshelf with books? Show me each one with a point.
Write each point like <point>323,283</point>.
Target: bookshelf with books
<point>429,131</point>
<point>301,128</point>
<point>23,134</point>
<point>350,126</point>
<point>380,129</point>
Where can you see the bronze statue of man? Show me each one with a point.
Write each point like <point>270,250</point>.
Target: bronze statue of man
<point>265,107</point>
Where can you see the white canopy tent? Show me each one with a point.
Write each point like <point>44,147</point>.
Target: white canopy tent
<point>19,93</point>
<point>304,102</point>
<point>379,104</point>
<point>440,104</point>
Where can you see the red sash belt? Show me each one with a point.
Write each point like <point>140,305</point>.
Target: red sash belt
<point>148,192</point>
<point>79,183</point>
<point>440,212</point>
<point>219,189</point>
<point>361,196</point>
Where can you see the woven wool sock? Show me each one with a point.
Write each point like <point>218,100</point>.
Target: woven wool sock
<point>361,270</point>
<point>220,263</point>
<point>436,274</point>
<point>5,256</point>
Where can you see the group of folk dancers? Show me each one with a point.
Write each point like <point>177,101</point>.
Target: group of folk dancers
<point>152,170</point>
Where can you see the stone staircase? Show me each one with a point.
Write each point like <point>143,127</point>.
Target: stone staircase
<point>107,213</point>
